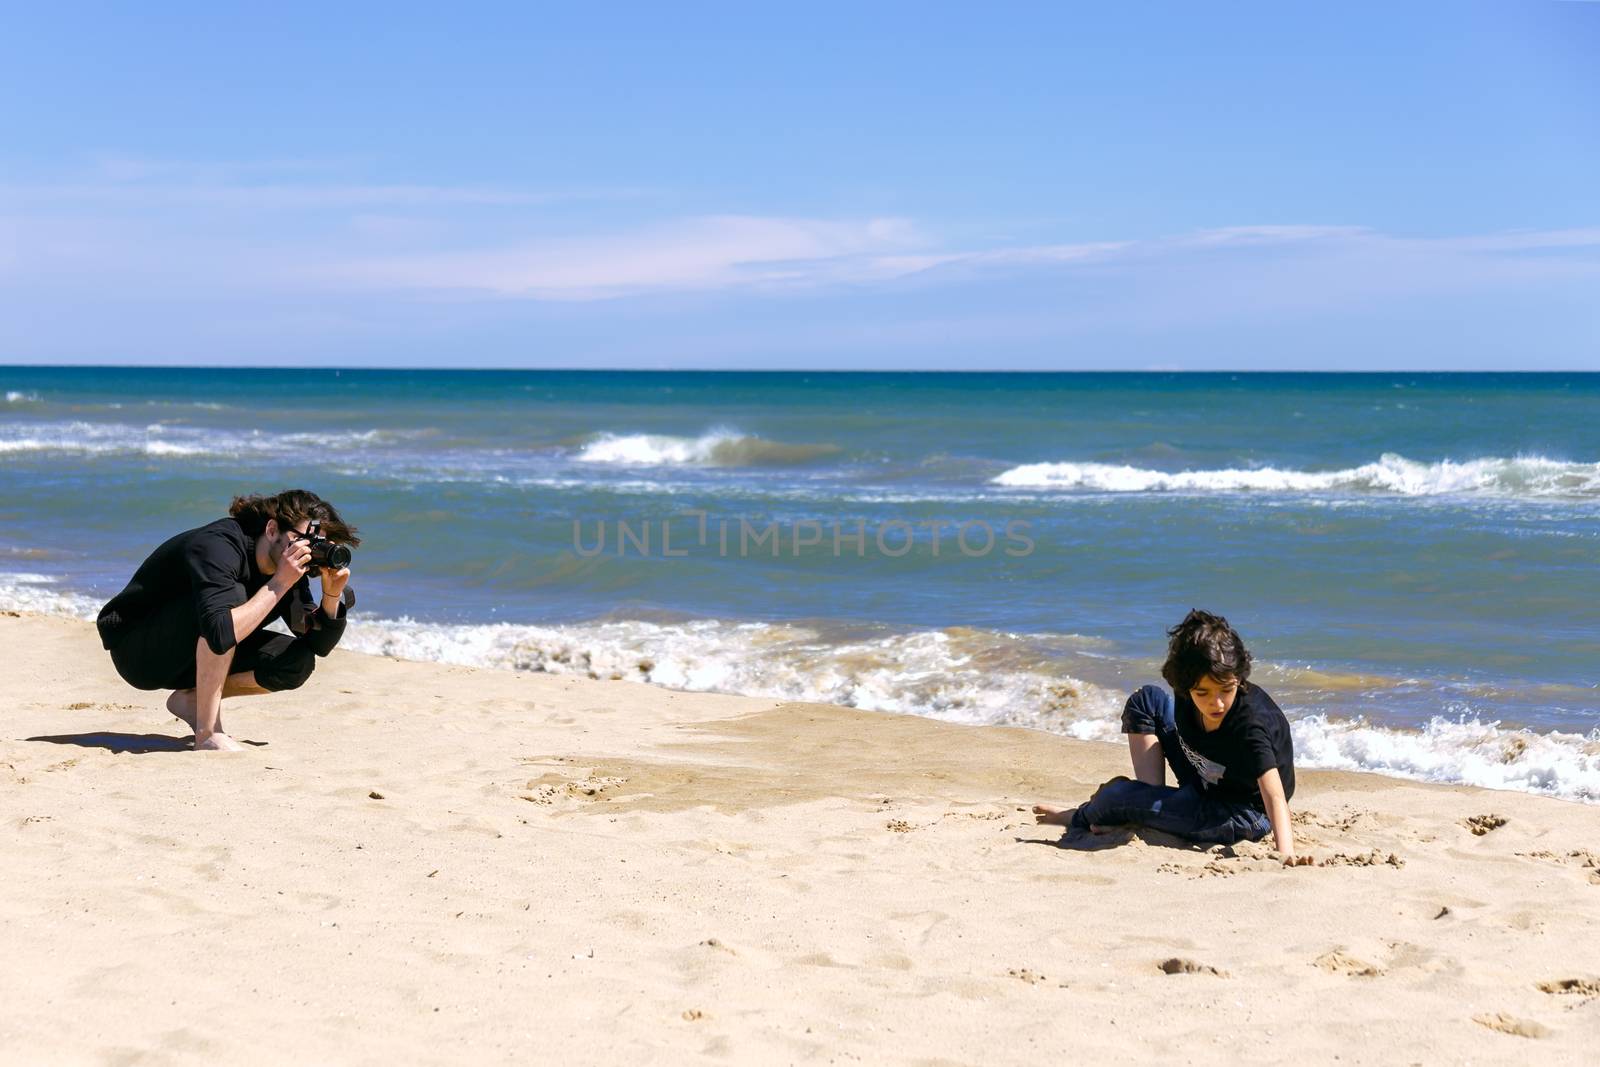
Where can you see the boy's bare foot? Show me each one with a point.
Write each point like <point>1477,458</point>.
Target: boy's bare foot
<point>1051,816</point>
<point>218,742</point>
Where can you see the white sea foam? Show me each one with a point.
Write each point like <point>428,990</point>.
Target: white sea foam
<point>927,673</point>
<point>955,675</point>
<point>164,440</point>
<point>719,447</point>
<point>22,591</point>
<point>1392,473</point>
<point>16,396</point>
<point>1464,750</point>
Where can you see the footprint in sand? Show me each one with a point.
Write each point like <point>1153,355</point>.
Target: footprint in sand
<point>924,923</point>
<point>987,816</point>
<point>1338,961</point>
<point>1510,1024</point>
<point>1483,824</point>
<point>548,792</point>
<point>1182,965</point>
<point>1577,857</point>
<point>1581,987</point>
<point>817,959</point>
<point>1073,878</point>
<point>898,826</point>
<point>1023,974</point>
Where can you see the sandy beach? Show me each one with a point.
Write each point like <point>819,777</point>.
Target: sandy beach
<point>424,863</point>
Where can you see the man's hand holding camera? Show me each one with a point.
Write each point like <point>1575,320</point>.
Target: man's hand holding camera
<point>310,551</point>
<point>292,565</point>
<point>333,582</point>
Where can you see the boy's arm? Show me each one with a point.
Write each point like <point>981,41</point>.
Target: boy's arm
<point>1149,763</point>
<point>1271,786</point>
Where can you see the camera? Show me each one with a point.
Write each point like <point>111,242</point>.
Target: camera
<point>324,553</point>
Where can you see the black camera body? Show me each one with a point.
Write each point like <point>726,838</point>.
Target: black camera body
<point>324,553</point>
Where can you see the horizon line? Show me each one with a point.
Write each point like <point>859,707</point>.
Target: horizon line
<point>766,370</point>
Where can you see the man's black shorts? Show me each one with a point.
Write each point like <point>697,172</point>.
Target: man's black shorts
<point>158,652</point>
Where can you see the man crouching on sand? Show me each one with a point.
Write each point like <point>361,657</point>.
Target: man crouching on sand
<point>192,617</point>
<point>1226,741</point>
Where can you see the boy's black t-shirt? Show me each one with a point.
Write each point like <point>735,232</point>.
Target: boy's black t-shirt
<point>1253,737</point>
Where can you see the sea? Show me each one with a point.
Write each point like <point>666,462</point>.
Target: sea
<point>1411,558</point>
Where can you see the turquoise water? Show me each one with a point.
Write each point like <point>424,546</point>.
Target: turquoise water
<point>1411,557</point>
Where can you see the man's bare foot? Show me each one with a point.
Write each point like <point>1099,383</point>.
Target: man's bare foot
<point>218,742</point>
<point>181,704</point>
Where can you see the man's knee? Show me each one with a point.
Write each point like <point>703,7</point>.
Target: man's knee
<point>288,671</point>
<point>203,651</point>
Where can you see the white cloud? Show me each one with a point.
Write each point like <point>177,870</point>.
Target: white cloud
<point>283,227</point>
<point>748,252</point>
<point>715,252</point>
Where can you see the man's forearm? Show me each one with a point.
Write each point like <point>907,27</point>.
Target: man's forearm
<point>250,615</point>
<point>325,636</point>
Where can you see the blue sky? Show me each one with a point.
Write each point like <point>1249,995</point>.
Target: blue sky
<point>1031,186</point>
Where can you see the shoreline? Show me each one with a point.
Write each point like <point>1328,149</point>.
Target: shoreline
<point>599,869</point>
<point>955,674</point>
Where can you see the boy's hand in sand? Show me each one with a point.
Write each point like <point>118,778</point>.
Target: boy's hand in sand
<point>1297,860</point>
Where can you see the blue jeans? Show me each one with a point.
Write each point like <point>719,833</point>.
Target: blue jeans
<point>1187,810</point>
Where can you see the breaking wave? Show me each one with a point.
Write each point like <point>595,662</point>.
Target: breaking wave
<point>716,448</point>
<point>1465,750</point>
<point>1534,476</point>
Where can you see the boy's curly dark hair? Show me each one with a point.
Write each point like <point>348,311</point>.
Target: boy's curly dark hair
<point>1204,644</point>
<point>289,507</point>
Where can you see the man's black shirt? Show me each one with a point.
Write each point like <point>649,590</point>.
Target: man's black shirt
<point>214,566</point>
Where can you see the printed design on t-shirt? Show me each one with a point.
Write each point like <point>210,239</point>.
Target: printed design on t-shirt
<point>1211,771</point>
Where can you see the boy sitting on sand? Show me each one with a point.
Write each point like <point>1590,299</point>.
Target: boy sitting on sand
<point>1226,741</point>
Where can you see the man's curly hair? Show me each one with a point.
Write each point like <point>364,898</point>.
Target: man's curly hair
<point>289,507</point>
